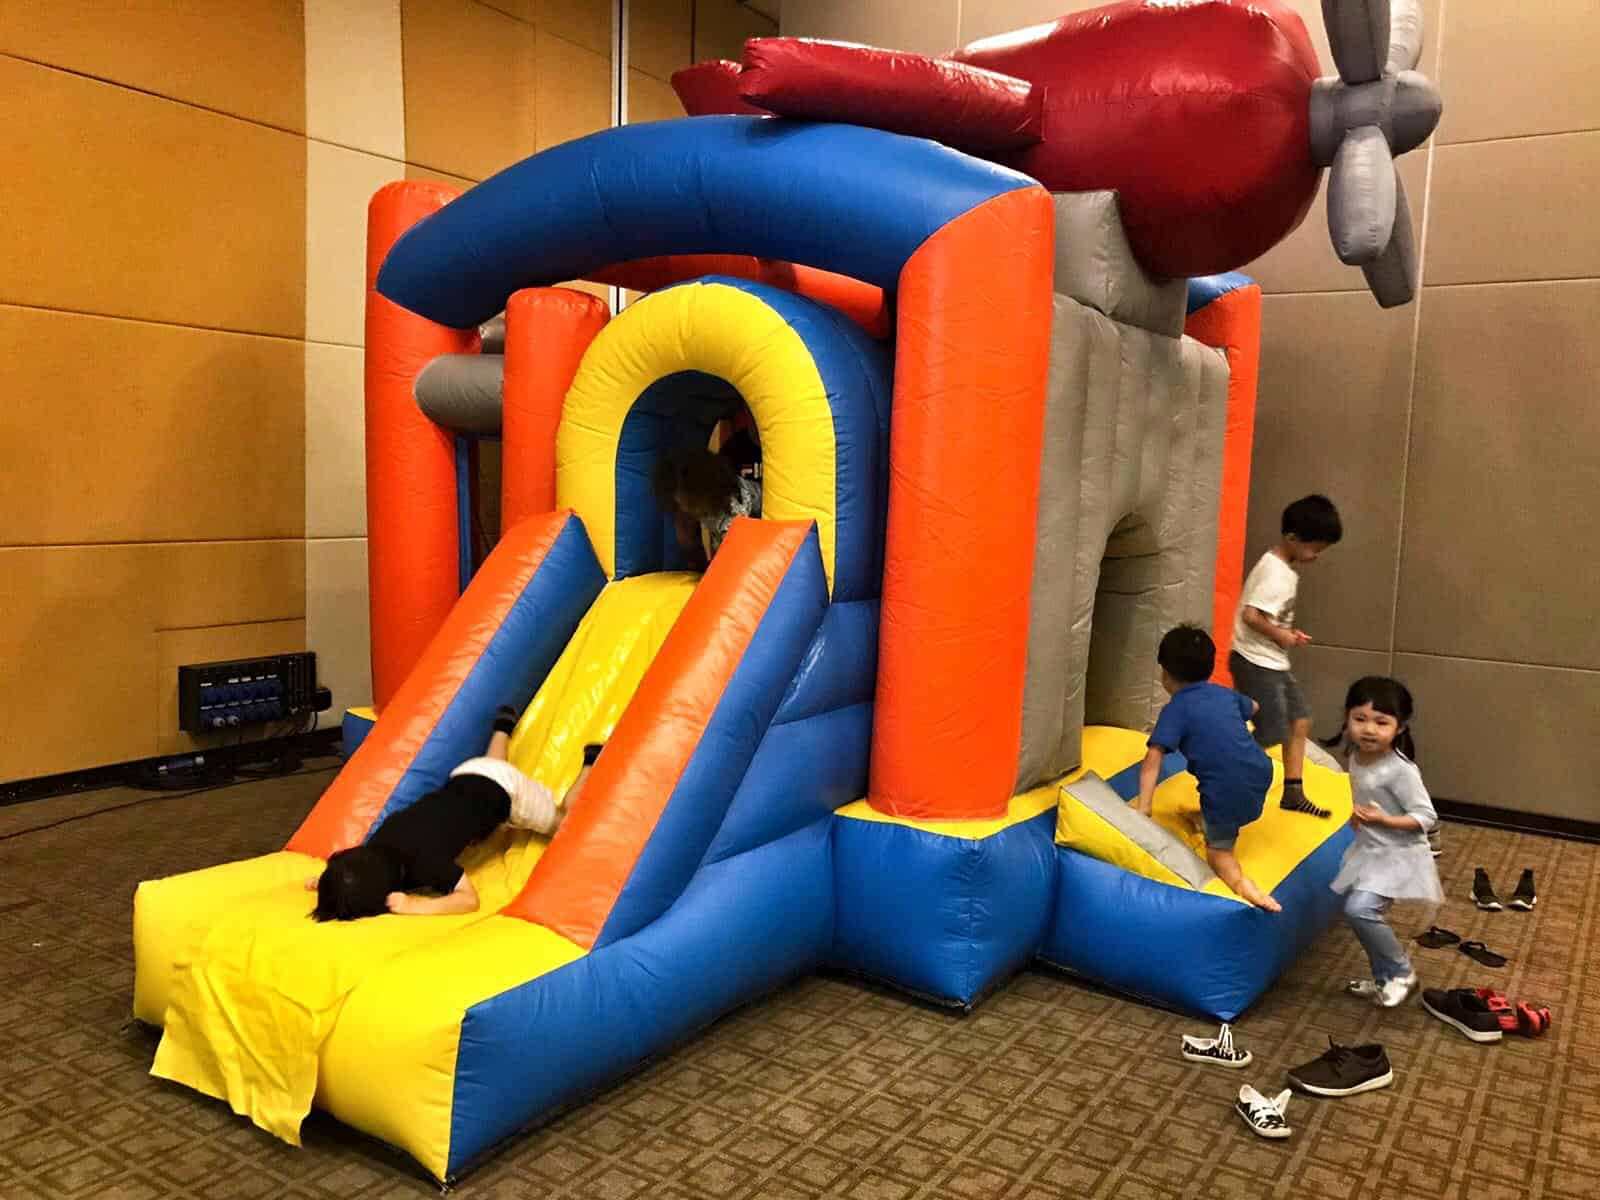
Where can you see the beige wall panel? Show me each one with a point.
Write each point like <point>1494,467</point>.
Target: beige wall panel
<point>336,465</point>
<point>76,639</point>
<point>124,431</point>
<point>586,22</point>
<point>1325,673</point>
<point>337,619</point>
<point>354,93</point>
<point>469,80</point>
<point>650,100</point>
<point>339,185</point>
<point>1523,209</point>
<point>600,290</point>
<point>1331,417</point>
<point>522,10</point>
<point>122,203</point>
<point>1305,262</point>
<point>1504,478</point>
<point>175,647</point>
<point>721,28</point>
<point>932,27</point>
<point>1515,69</point>
<point>413,171</point>
<point>985,18</point>
<point>660,36</point>
<point>228,583</point>
<point>1505,735</point>
<point>574,91</point>
<point>245,57</point>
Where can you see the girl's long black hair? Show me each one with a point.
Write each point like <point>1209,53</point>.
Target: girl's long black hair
<point>1386,696</point>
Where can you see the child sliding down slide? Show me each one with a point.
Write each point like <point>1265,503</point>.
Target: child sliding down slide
<point>415,850</point>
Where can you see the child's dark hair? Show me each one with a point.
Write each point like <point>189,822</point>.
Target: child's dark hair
<point>356,884</point>
<point>1313,519</point>
<point>1188,654</point>
<point>707,477</point>
<point>1385,695</point>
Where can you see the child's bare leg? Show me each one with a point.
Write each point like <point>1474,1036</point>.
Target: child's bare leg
<point>499,745</point>
<point>1226,864</point>
<point>1294,749</point>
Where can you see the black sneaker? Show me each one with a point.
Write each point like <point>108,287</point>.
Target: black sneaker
<point>1465,1010</point>
<point>1344,1071</point>
<point>1483,892</point>
<point>1524,898</point>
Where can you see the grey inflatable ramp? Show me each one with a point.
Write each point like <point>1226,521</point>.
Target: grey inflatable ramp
<point>462,392</point>
<point>1097,796</point>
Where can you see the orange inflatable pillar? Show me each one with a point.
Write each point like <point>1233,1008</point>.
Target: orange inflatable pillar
<point>547,332</point>
<point>413,539</point>
<point>974,309</point>
<point>1232,323</point>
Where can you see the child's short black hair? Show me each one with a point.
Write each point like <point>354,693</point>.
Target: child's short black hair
<point>356,884</point>
<point>1188,654</point>
<point>1313,519</point>
<point>697,473</point>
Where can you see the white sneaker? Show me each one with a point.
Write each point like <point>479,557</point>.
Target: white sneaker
<point>1218,1051</point>
<point>1397,991</point>
<point>1367,989</point>
<point>1263,1114</point>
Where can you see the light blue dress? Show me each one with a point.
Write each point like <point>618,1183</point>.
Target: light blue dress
<point>1395,863</point>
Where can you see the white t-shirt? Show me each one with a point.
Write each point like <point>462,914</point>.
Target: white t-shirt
<point>533,806</point>
<point>1271,587</point>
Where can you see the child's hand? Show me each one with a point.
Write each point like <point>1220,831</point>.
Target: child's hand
<point>1301,638</point>
<point>1367,814</point>
<point>311,884</point>
<point>399,902</point>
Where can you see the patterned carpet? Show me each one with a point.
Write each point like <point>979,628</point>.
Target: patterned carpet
<point>831,1087</point>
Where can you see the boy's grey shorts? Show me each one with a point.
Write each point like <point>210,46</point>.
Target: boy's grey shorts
<point>1279,695</point>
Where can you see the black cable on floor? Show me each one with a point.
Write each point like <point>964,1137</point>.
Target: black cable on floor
<point>215,787</point>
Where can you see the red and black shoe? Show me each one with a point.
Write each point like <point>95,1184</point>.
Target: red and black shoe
<point>1533,1020</point>
<point>1500,1008</point>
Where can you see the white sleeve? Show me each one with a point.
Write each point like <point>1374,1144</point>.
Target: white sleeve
<point>1412,795</point>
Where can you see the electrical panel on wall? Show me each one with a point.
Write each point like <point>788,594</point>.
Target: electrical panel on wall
<point>243,692</point>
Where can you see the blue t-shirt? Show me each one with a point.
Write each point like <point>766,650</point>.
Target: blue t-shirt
<point>1206,724</point>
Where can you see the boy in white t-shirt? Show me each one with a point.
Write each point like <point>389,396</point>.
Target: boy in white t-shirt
<point>1264,634</point>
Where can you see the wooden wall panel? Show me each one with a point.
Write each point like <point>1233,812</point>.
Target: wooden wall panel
<point>469,86</point>
<point>721,28</point>
<point>336,463</point>
<point>1504,477</point>
<point>355,95</point>
<point>127,204</point>
<point>1519,209</point>
<point>339,185</point>
<point>199,584</point>
<point>586,23</point>
<point>337,619</point>
<point>1505,735</point>
<point>1331,417</point>
<point>574,91</point>
<point>660,36</point>
<point>175,647</point>
<point>650,100</point>
<point>932,27</point>
<point>1513,69</point>
<point>123,431</point>
<point>244,57</point>
<point>1325,673</point>
<point>415,171</point>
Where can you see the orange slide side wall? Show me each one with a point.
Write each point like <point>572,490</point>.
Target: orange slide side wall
<point>974,311</point>
<point>413,540</point>
<point>1232,322</point>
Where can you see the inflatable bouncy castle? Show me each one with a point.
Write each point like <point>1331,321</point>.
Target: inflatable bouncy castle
<point>1005,435</point>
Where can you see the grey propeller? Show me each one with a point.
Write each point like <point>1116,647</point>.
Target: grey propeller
<point>1376,108</point>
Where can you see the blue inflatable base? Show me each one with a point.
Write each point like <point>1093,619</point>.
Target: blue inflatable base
<point>356,728</point>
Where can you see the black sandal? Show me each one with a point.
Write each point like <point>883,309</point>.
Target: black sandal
<point>1437,939</point>
<point>1478,952</point>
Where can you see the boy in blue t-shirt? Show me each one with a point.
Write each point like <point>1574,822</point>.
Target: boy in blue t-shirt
<point>1206,724</point>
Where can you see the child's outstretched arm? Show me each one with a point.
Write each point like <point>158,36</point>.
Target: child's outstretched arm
<point>463,899</point>
<point>1149,776</point>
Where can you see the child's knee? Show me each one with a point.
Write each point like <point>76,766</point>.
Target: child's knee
<point>1359,906</point>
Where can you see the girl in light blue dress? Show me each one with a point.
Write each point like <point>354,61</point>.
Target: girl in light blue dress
<point>1389,859</point>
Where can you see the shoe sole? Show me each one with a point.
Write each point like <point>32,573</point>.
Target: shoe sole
<point>1477,1035</point>
<point>1274,1134</point>
<point>1368,1085</point>
<point>1522,905</point>
<point>1204,1060</point>
<point>1488,905</point>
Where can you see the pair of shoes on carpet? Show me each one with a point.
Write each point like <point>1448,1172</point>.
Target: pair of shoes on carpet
<point>1485,1015</point>
<point>1264,1114</point>
<point>1435,938</point>
<point>1523,899</point>
<point>1391,993</point>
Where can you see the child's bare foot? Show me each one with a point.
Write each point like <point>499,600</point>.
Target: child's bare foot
<point>1249,891</point>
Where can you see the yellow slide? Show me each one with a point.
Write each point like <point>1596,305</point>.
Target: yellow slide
<point>249,991</point>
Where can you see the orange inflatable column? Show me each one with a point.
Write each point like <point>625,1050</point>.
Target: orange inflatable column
<point>1232,322</point>
<point>547,332</point>
<point>974,309</point>
<point>413,540</point>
